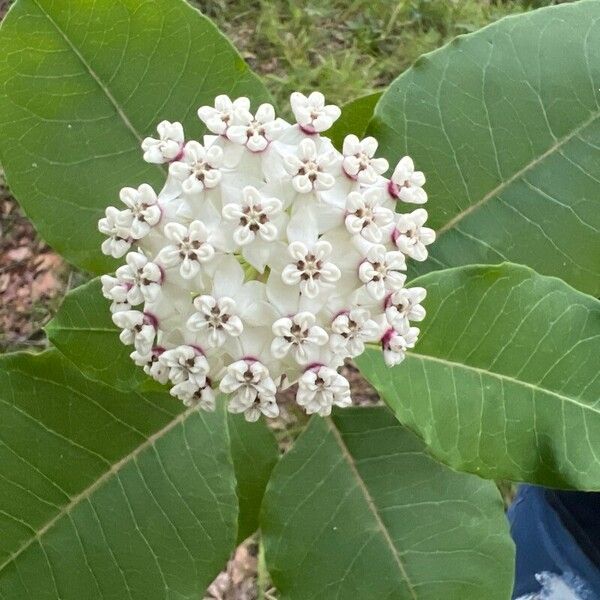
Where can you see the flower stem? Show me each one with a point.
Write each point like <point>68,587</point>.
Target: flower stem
<point>263,580</point>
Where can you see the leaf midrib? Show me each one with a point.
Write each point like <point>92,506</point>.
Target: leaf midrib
<point>103,87</point>
<point>371,504</point>
<point>517,175</point>
<point>107,475</point>
<point>503,377</point>
<point>51,329</point>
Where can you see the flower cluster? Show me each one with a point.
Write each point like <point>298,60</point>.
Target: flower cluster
<point>267,259</point>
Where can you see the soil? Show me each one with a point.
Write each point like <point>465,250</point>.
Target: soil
<point>33,279</point>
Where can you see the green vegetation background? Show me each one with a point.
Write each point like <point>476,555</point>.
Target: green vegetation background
<point>346,48</point>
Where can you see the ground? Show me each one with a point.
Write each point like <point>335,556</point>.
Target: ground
<point>345,48</point>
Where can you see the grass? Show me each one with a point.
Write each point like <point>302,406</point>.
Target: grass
<point>346,48</point>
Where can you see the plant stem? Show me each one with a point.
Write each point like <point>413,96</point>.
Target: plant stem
<point>262,575</point>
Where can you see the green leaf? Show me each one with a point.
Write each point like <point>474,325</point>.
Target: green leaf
<point>355,118</point>
<point>505,123</point>
<point>357,509</point>
<point>254,451</point>
<point>105,494</point>
<point>84,332</point>
<point>81,84</point>
<point>504,382</point>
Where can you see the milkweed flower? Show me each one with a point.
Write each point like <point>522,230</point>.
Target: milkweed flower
<point>267,259</point>
<point>167,147</point>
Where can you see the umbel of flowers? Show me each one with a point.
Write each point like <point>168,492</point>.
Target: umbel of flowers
<point>267,259</point>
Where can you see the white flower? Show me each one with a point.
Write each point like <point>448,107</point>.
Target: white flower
<point>267,259</point>
<point>311,171</point>
<point>199,168</point>
<point>192,394</point>
<point>380,271</point>
<point>311,113</point>
<point>117,227</point>
<point>151,364</point>
<point>300,336</point>
<point>406,184</point>
<point>116,291</point>
<point>396,342</point>
<point>359,162</point>
<point>190,247</point>
<point>219,118</point>
<point>320,388</point>
<point>220,315</point>
<point>167,147</point>
<point>156,369</point>
<point>310,269</point>
<point>138,328</point>
<point>350,330</point>
<point>142,211</point>
<point>366,215</point>
<point>216,317</point>
<point>109,283</point>
<point>253,217</point>
<point>186,363</point>
<point>252,389</point>
<point>411,237</point>
<point>404,305</point>
<point>142,278</point>
<point>255,131</point>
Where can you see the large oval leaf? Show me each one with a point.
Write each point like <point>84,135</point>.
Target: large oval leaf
<point>85,334</point>
<point>506,125</point>
<point>81,84</point>
<point>505,380</point>
<point>357,509</point>
<point>105,494</point>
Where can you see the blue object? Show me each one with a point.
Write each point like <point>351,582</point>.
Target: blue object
<point>557,536</point>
